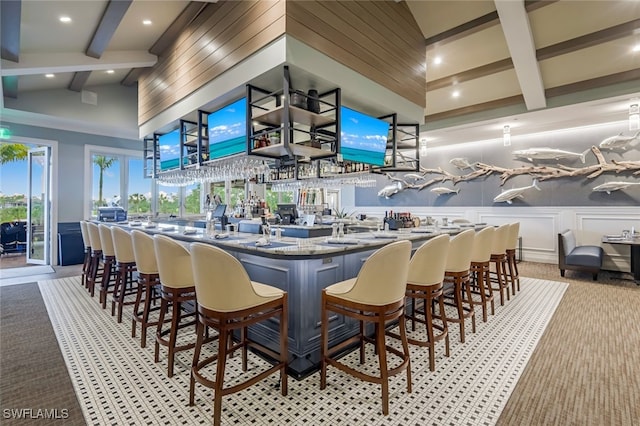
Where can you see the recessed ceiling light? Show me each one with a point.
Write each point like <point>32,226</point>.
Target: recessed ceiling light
<point>110,71</point>
<point>437,60</point>
<point>65,19</point>
<point>455,94</point>
<point>49,75</point>
<point>636,48</point>
<point>147,22</point>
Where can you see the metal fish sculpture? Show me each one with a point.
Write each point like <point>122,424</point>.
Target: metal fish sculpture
<point>613,186</point>
<point>441,190</point>
<point>461,163</point>
<point>532,154</point>
<point>619,141</point>
<point>508,195</point>
<point>414,176</point>
<point>392,189</point>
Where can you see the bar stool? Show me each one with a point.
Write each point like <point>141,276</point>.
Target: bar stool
<point>95,271</point>
<point>512,244</point>
<point>376,295</point>
<point>87,253</point>
<point>176,286</point>
<point>499,262</point>
<point>126,266</point>
<point>228,300</point>
<point>457,280</point>
<point>426,274</point>
<point>148,279</point>
<point>480,257</point>
<point>109,262</point>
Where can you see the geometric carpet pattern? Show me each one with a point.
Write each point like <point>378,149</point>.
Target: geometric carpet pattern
<point>117,382</point>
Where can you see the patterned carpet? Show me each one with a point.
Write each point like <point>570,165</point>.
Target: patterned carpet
<point>117,382</point>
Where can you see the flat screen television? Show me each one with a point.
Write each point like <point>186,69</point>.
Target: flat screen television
<point>228,130</point>
<point>288,213</point>
<point>363,138</point>
<point>169,146</point>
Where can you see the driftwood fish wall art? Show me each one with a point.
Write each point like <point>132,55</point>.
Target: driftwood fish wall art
<point>392,189</point>
<point>461,163</point>
<point>614,186</point>
<point>442,190</point>
<point>427,177</point>
<point>619,141</point>
<point>508,195</point>
<point>533,154</point>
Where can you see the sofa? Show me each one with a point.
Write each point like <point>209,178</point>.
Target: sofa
<point>571,256</point>
<point>13,237</point>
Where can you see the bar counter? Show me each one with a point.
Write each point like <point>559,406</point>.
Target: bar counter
<point>302,267</point>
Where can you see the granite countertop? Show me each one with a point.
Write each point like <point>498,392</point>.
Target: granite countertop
<point>288,247</point>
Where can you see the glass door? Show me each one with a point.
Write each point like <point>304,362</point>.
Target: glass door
<point>38,206</point>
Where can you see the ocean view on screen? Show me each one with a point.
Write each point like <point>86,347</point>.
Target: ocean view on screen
<point>363,138</point>
<point>169,145</point>
<point>228,130</point>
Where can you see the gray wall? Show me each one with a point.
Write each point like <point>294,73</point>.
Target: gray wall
<point>564,191</point>
<point>70,167</point>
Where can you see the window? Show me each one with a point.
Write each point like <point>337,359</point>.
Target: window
<point>115,178</point>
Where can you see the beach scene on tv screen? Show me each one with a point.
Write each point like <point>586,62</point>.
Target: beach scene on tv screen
<point>363,138</point>
<point>228,130</point>
<point>169,145</point>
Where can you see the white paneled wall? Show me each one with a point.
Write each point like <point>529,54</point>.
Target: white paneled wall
<point>539,226</point>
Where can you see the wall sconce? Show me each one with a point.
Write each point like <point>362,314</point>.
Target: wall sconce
<point>634,117</point>
<point>423,147</point>
<point>506,136</point>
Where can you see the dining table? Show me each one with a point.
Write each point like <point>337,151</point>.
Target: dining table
<point>633,241</point>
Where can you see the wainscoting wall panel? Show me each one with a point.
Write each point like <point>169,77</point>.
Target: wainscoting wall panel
<point>539,226</point>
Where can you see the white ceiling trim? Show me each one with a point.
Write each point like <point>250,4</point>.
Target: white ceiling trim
<point>68,124</point>
<point>42,63</point>
<point>517,32</point>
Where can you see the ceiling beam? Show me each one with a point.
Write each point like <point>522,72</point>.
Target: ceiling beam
<point>79,80</point>
<point>608,34</point>
<point>10,12</point>
<point>517,32</point>
<point>472,74</point>
<point>480,23</point>
<point>170,35</point>
<point>132,77</point>
<point>107,27</point>
<point>464,30</point>
<point>43,63</point>
<point>10,87</point>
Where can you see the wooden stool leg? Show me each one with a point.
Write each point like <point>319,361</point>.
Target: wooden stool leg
<point>382,359</point>
<point>173,336</point>
<point>163,310</point>
<point>196,359</point>
<point>136,305</point>
<point>444,325</point>
<point>220,367</point>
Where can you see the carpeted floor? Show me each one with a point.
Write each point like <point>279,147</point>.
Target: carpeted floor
<point>586,369</point>
<point>33,374</point>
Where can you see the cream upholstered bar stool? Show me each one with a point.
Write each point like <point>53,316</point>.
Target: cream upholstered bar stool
<point>480,257</point>
<point>148,279</point>
<point>499,262</point>
<point>95,266</point>
<point>424,282</point>
<point>512,244</point>
<point>457,280</point>
<point>109,262</point>
<point>376,295</point>
<point>125,266</point>
<point>87,253</point>
<point>176,287</point>
<point>228,300</point>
